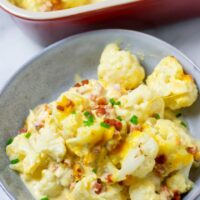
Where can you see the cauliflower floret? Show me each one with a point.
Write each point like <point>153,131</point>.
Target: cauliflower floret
<point>91,90</point>
<point>64,174</point>
<point>137,156</point>
<point>51,143</point>
<point>87,137</point>
<point>142,102</point>
<point>143,190</point>
<point>170,82</point>
<point>86,189</point>
<point>169,135</point>
<point>70,125</point>
<point>49,184</point>
<point>120,67</point>
<point>180,181</point>
<point>28,159</point>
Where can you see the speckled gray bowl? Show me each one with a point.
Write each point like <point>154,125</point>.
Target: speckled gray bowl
<point>52,72</point>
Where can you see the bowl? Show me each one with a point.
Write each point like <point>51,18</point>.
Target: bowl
<point>48,27</point>
<point>52,72</point>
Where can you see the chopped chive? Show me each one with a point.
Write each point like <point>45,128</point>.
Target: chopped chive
<point>178,115</point>
<point>156,115</point>
<point>87,114</point>
<point>28,135</point>
<point>88,123</point>
<point>44,198</point>
<point>94,170</point>
<point>90,118</point>
<point>113,102</point>
<point>134,120</point>
<point>15,161</point>
<point>74,112</point>
<point>184,124</point>
<point>119,118</point>
<point>105,125</point>
<point>9,141</point>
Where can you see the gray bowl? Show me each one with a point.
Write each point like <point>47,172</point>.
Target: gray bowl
<point>47,75</point>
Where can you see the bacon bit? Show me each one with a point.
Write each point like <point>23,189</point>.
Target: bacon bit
<point>112,122</point>
<point>192,150</point>
<point>39,126</point>
<point>22,130</point>
<point>77,85</point>
<point>161,159</point>
<point>84,82</point>
<point>98,186</point>
<point>133,128</point>
<point>176,196</point>
<point>100,111</point>
<point>121,183</point>
<point>102,101</point>
<point>69,103</point>
<point>109,178</point>
<point>59,107</point>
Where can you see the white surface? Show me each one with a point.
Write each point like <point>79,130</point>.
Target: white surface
<point>16,48</point>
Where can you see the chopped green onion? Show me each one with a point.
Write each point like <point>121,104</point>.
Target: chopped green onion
<point>105,125</point>
<point>90,119</point>
<point>28,135</point>
<point>178,115</point>
<point>44,198</point>
<point>94,170</point>
<point>87,114</point>
<point>9,141</point>
<point>74,112</point>
<point>15,161</point>
<point>184,124</point>
<point>88,123</point>
<point>156,115</point>
<point>113,102</point>
<point>119,118</point>
<point>134,120</point>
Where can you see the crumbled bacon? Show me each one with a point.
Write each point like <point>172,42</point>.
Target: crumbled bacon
<point>176,196</point>
<point>100,111</point>
<point>23,130</point>
<point>161,159</point>
<point>192,150</point>
<point>60,108</point>
<point>38,126</point>
<point>109,178</point>
<point>77,85</point>
<point>98,186</point>
<point>102,101</point>
<point>133,128</point>
<point>113,122</point>
<point>84,82</point>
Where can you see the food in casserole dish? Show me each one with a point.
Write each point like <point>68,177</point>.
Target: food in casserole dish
<point>116,137</point>
<point>50,5</point>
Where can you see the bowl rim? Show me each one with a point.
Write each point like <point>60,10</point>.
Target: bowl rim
<point>26,14</point>
<point>56,45</point>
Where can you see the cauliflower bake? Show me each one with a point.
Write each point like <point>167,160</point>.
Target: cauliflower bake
<point>111,138</point>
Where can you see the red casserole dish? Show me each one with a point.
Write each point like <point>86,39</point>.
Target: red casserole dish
<point>48,27</point>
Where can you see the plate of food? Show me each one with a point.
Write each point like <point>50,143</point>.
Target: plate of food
<point>101,115</point>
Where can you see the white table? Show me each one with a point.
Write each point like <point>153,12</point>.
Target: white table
<point>16,48</point>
